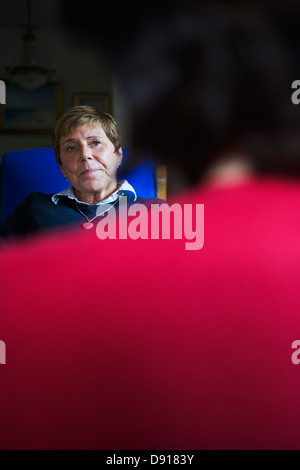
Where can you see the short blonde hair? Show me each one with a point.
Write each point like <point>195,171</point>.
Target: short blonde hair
<point>77,117</point>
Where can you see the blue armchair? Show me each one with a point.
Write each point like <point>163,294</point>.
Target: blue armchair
<point>35,170</point>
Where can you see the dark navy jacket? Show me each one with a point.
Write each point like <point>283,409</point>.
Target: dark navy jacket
<point>38,212</point>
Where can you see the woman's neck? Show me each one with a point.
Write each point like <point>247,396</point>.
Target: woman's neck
<point>93,198</point>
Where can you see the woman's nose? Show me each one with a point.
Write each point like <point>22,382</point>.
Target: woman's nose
<point>85,153</point>
<point>85,157</point>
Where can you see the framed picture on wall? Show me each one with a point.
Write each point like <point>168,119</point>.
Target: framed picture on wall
<point>98,100</point>
<point>31,111</point>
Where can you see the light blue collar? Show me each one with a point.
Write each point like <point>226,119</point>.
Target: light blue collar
<point>123,185</point>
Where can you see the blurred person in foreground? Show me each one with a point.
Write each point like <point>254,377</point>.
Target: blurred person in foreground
<point>165,348</point>
<point>87,148</point>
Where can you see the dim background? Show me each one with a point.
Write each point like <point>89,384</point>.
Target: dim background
<point>79,69</point>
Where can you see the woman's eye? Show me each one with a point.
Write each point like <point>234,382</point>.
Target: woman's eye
<point>96,143</point>
<point>70,148</point>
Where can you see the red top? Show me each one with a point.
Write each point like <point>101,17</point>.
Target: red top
<point>141,344</point>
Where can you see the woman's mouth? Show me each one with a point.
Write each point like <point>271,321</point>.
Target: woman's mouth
<point>89,172</point>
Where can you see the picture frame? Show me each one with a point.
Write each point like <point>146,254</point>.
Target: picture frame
<point>98,100</point>
<point>31,111</point>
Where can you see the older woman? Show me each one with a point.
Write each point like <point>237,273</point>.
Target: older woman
<point>87,147</point>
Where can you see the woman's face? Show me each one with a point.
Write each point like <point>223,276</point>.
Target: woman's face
<point>89,162</point>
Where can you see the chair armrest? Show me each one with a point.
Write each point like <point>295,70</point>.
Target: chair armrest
<point>161,178</point>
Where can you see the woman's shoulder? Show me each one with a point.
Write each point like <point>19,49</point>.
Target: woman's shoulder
<point>30,203</point>
<point>37,198</point>
<point>20,220</point>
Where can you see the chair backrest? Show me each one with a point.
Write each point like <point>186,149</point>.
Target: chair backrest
<point>35,170</point>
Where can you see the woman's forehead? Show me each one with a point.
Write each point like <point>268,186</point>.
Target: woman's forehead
<point>84,131</point>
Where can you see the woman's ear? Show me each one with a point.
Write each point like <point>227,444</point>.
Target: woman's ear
<point>120,156</point>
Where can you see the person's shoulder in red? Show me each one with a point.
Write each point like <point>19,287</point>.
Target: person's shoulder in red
<point>142,343</point>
